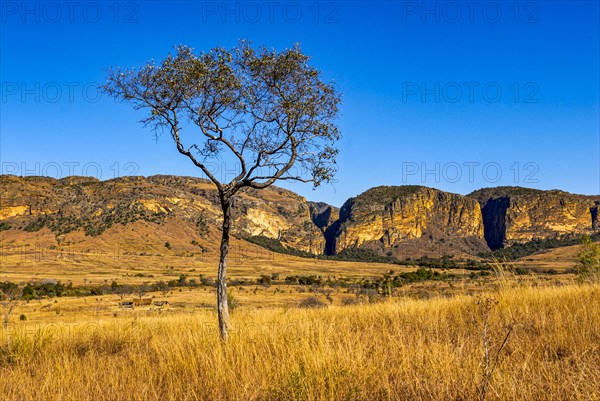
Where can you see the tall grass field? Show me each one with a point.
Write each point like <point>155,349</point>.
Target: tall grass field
<point>519,343</point>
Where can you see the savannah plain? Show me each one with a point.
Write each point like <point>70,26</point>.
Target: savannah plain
<point>179,288</point>
<point>500,336</point>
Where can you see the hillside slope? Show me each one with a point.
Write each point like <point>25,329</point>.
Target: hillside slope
<point>91,208</point>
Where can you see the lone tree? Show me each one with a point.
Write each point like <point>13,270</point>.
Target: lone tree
<point>10,297</point>
<point>269,111</point>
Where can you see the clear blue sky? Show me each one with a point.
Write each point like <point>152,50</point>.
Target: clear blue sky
<point>420,87</point>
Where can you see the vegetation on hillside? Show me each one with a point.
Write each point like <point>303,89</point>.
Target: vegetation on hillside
<point>518,251</point>
<point>275,245</point>
<point>484,194</point>
<point>370,256</point>
<point>384,194</point>
<point>120,214</point>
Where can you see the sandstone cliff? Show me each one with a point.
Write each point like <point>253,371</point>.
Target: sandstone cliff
<point>514,215</point>
<point>323,215</point>
<point>327,218</point>
<point>410,221</point>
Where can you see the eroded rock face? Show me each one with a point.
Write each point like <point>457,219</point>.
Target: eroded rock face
<point>410,221</point>
<point>326,217</point>
<point>323,214</point>
<point>86,204</point>
<point>514,215</point>
<point>277,213</point>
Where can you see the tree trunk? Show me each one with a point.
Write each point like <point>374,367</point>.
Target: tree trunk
<point>222,306</point>
<point>9,310</point>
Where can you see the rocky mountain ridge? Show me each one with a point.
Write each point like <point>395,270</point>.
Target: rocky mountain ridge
<point>75,204</point>
<point>514,215</point>
<point>408,220</point>
<point>399,222</point>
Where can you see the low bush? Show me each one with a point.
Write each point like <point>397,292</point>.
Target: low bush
<point>312,302</point>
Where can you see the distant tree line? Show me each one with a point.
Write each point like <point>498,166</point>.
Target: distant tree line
<point>370,256</point>
<point>518,251</point>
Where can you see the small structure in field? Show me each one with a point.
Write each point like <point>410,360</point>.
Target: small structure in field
<point>160,304</point>
<point>126,304</point>
<point>142,302</point>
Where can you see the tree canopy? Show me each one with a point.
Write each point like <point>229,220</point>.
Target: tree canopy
<point>270,110</point>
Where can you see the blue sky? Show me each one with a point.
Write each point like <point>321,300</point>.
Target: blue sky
<point>442,94</point>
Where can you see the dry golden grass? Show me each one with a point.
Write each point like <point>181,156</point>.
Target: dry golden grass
<point>133,254</point>
<point>403,349</point>
<point>92,261</point>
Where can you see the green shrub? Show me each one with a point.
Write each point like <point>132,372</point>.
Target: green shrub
<point>35,225</point>
<point>232,302</point>
<point>312,302</point>
<point>304,280</point>
<point>588,266</point>
<point>41,290</point>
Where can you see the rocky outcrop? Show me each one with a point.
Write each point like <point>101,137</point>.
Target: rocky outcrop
<point>402,222</point>
<point>514,215</point>
<point>326,217</point>
<point>85,204</point>
<point>409,221</point>
<point>323,215</point>
<point>280,214</point>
